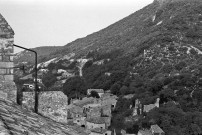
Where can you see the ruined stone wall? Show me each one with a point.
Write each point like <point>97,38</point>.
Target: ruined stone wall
<point>7,86</point>
<point>52,104</point>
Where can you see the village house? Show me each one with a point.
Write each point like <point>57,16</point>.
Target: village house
<point>144,132</point>
<point>108,99</point>
<point>98,131</point>
<point>123,132</point>
<point>149,107</point>
<point>154,130</point>
<point>138,108</point>
<point>99,91</point>
<point>92,113</point>
<point>96,122</point>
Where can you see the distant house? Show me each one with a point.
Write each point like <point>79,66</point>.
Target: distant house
<point>109,99</point>
<point>156,130</point>
<point>67,75</point>
<point>98,131</point>
<point>138,108</point>
<point>123,132</point>
<point>99,91</point>
<point>96,122</point>
<point>144,132</point>
<point>149,107</point>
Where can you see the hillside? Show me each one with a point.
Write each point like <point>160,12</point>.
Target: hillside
<point>153,53</point>
<point>26,56</point>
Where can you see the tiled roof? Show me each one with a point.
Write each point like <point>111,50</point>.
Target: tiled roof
<point>15,120</point>
<point>99,130</point>
<point>5,29</point>
<point>85,101</point>
<point>96,120</point>
<point>156,129</point>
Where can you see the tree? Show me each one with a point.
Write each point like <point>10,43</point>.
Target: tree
<point>115,88</point>
<point>74,87</point>
<point>124,90</point>
<point>94,94</point>
<point>49,79</point>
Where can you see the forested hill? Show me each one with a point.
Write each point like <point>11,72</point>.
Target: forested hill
<point>155,52</point>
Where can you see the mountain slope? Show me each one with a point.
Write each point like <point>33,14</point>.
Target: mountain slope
<point>27,56</point>
<point>154,53</point>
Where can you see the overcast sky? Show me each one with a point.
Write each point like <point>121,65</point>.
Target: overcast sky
<point>58,22</point>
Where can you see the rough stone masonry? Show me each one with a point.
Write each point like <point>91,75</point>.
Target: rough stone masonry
<point>7,86</point>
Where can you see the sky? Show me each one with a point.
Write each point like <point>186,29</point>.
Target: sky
<point>58,22</point>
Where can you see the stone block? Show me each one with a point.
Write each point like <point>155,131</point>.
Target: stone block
<point>8,77</point>
<point>3,71</point>
<point>6,64</point>
<point>6,58</point>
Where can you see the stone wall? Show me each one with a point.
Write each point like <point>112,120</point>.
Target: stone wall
<point>7,86</point>
<point>52,104</point>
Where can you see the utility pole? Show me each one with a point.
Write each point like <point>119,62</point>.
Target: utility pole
<point>35,81</point>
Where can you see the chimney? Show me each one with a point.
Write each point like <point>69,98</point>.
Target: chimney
<point>7,86</point>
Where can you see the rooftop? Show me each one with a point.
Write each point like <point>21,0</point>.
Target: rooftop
<point>15,120</point>
<point>145,132</point>
<point>85,101</point>
<point>5,28</point>
<point>156,129</point>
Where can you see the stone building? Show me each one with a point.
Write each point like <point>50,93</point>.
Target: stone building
<point>149,107</point>
<point>91,113</point>
<point>96,122</point>
<point>98,131</point>
<point>7,86</point>
<point>108,99</point>
<point>154,130</point>
<point>138,108</point>
<point>52,104</point>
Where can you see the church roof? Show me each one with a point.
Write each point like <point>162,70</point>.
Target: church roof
<point>16,120</point>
